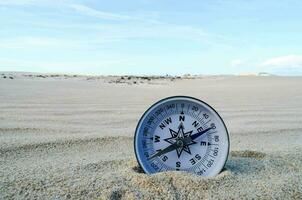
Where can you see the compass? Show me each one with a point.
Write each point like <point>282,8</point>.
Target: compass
<point>184,134</point>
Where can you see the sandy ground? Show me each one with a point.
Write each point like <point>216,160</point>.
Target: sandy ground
<point>72,138</point>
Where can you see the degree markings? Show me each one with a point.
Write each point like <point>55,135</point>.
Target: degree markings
<point>204,126</point>
<point>198,114</point>
<point>214,144</point>
<point>148,126</point>
<point>199,120</point>
<point>165,112</point>
<point>212,132</point>
<point>204,165</point>
<point>206,154</point>
<point>212,156</point>
<point>169,112</point>
<point>188,108</point>
<point>155,118</point>
<point>207,121</point>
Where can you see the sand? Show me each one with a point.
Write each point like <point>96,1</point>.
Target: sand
<point>71,137</point>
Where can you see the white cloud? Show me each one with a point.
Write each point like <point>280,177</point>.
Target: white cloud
<point>16,2</point>
<point>25,42</point>
<point>28,42</point>
<point>99,14</point>
<point>142,26</point>
<point>135,26</point>
<point>25,2</point>
<point>86,10</point>
<point>289,61</point>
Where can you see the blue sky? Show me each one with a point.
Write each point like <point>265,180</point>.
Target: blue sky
<point>151,36</point>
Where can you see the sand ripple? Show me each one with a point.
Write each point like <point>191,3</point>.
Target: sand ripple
<point>73,139</point>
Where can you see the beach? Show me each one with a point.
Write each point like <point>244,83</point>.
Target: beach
<point>71,137</point>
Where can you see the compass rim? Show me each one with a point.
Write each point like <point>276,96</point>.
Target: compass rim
<point>172,97</point>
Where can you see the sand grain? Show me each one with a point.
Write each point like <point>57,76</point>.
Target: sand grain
<point>72,138</point>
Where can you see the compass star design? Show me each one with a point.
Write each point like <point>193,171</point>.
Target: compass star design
<point>177,136</point>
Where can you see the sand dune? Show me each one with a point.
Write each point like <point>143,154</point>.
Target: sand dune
<point>71,137</point>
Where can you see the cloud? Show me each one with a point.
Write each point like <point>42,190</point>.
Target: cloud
<point>59,33</point>
<point>24,2</point>
<point>133,26</point>
<point>16,2</point>
<point>25,42</point>
<point>86,10</point>
<point>99,14</point>
<point>289,61</point>
<point>29,42</point>
<point>139,26</point>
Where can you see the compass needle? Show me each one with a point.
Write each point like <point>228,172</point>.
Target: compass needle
<point>164,151</point>
<point>196,135</point>
<point>166,137</point>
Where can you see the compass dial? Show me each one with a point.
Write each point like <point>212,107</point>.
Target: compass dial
<point>181,133</point>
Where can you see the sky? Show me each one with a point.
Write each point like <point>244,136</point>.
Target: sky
<point>151,37</point>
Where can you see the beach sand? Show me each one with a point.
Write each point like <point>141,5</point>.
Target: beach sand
<point>71,137</point>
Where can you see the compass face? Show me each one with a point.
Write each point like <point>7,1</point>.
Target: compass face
<point>181,133</point>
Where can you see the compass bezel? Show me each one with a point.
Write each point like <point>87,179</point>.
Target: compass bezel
<point>176,97</point>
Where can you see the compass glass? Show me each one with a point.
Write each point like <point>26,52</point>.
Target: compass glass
<point>184,134</point>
